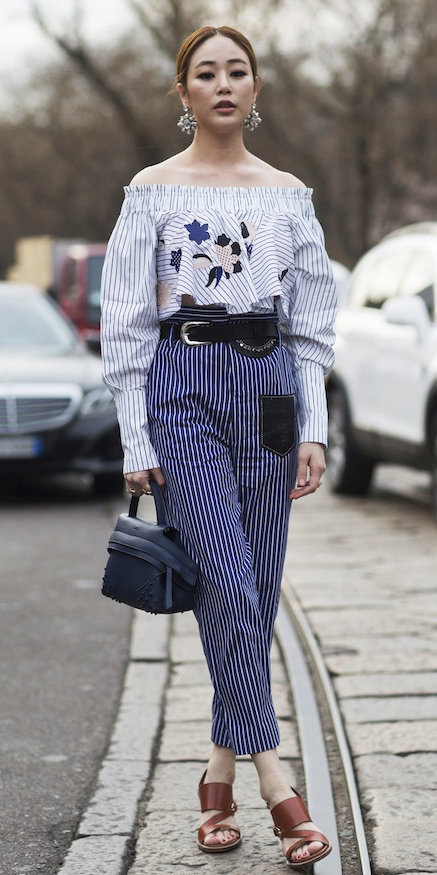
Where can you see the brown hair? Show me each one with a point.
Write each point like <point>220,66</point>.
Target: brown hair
<point>200,36</point>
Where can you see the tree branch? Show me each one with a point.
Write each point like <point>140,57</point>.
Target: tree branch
<point>79,55</point>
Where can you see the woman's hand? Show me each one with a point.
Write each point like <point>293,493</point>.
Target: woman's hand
<point>310,456</point>
<point>137,482</point>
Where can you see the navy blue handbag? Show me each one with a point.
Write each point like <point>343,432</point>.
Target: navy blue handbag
<point>147,567</point>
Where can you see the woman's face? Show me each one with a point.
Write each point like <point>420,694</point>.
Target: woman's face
<point>220,85</point>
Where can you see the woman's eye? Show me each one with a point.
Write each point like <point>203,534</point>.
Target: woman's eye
<point>238,73</point>
<point>205,75</point>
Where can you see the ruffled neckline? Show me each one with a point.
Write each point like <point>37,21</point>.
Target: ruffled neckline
<point>166,196</point>
<point>165,186</point>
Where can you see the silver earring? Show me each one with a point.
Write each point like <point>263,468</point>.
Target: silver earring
<point>253,119</point>
<point>187,122</point>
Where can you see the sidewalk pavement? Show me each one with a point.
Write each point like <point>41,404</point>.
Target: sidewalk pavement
<point>365,573</point>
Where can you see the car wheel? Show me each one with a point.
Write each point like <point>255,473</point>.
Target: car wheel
<point>108,484</point>
<point>348,471</point>
<point>433,444</point>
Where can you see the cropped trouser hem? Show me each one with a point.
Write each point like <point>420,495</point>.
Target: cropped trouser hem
<point>240,750</point>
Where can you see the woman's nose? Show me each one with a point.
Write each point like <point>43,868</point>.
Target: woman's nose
<point>223,83</point>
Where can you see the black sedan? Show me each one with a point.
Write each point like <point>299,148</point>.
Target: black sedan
<point>55,413</point>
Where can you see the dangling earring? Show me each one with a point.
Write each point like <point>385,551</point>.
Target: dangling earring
<point>253,119</point>
<point>187,122</point>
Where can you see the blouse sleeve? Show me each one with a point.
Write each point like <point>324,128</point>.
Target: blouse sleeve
<point>130,330</point>
<point>310,335</point>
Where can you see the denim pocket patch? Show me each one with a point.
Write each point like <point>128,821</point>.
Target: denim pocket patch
<point>277,430</point>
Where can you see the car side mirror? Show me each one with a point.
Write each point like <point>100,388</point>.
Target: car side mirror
<point>407,311</point>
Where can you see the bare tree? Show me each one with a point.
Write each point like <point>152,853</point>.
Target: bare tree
<point>111,89</point>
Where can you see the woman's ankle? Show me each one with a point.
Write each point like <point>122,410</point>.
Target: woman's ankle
<point>221,766</point>
<point>274,792</point>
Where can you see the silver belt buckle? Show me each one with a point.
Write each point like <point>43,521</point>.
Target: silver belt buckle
<point>184,336</point>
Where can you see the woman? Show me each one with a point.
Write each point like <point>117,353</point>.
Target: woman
<point>217,312</point>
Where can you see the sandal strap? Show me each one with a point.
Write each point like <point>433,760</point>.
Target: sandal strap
<point>304,836</point>
<point>216,795</point>
<point>217,821</point>
<point>288,814</point>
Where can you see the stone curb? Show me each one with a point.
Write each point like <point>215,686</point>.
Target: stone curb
<point>102,839</point>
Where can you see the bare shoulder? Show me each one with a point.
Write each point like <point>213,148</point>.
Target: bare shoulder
<point>270,176</point>
<point>287,180</point>
<point>155,174</point>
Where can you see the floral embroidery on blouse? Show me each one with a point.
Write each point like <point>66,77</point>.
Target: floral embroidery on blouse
<point>227,254</point>
<point>175,260</point>
<point>198,233</point>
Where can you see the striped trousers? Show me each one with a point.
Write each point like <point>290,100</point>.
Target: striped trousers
<point>227,493</point>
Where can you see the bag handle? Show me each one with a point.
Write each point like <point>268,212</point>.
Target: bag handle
<point>159,504</point>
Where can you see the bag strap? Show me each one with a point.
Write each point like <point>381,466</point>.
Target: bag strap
<point>159,504</point>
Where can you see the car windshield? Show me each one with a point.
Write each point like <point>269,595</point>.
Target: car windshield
<point>29,322</point>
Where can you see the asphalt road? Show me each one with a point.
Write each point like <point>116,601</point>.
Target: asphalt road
<point>63,653</point>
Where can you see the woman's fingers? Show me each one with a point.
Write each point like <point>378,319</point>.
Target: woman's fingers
<point>310,456</point>
<point>138,482</point>
<point>156,474</point>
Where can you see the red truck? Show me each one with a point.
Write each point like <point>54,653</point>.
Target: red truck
<point>78,290</point>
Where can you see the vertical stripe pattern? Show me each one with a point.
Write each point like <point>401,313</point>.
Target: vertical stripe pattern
<point>228,496</point>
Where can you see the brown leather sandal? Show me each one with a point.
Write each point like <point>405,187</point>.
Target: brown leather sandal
<point>286,816</point>
<point>217,796</point>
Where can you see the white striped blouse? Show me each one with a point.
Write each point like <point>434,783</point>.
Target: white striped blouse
<point>249,249</point>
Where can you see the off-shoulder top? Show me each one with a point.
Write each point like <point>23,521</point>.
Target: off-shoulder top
<point>247,249</point>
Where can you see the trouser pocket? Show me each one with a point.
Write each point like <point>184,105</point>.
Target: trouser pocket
<point>277,428</point>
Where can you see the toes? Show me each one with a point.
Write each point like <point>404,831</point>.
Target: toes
<point>229,835</point>
<point>306,851</point>
<point>212,839</point>
<point>220,837</point>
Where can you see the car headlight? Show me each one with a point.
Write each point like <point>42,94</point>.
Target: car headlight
<point>97,401</point>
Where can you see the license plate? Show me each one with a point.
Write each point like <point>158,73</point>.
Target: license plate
<point>20,447</point>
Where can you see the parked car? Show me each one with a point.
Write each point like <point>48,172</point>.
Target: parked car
<point>382,392</point>
<point>55,413</point>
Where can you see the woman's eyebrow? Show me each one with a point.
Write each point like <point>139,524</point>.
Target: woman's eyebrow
<point>214,63</point>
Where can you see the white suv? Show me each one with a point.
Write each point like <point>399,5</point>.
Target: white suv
<point>382,393</point>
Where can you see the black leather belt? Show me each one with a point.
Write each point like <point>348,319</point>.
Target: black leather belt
<point>194,333</point>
